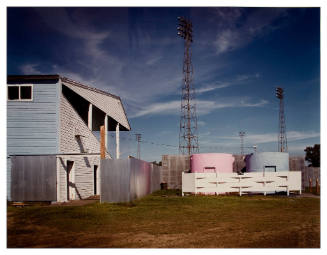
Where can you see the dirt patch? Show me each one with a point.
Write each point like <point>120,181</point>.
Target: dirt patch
<point>76,202</point>
<point>170,222</point>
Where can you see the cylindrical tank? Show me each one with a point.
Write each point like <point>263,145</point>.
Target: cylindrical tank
<point>267,161</point>
<point>212,163</point>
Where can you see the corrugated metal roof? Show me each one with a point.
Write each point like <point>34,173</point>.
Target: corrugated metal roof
<point>108,103</point>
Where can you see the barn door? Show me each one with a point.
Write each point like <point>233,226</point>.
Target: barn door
<point>95,179</point>
<point>70,180</point>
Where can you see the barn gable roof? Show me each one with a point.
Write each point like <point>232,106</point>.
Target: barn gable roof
<point>106,102</point>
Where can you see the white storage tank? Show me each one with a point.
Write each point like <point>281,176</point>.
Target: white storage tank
<point>267,161</point>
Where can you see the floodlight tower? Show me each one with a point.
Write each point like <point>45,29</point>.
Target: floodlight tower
<point>188,139</point>
<point>282,140</point>
<point>242,134</point>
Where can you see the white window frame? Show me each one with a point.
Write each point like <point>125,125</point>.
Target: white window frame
<point>20,85</point>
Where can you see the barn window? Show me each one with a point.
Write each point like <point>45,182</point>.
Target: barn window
<point>13,92</point>
<point>20,92</point>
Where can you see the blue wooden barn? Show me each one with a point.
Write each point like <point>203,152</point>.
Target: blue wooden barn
<point>52,151</point>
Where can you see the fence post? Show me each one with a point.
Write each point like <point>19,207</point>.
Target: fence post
<point>317,186</point>
<point>102,143</point>
<point>310,185</point>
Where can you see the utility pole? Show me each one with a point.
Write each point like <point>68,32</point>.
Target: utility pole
<point>188,139</point>
<point>242,134</point>
<point>282,140</point>
<point>138,139</point>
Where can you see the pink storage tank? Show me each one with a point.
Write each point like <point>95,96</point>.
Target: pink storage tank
<point>212,163</point>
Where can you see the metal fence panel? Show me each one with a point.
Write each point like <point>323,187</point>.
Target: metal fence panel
<point>173,166</point>
<point>33,178</point>
<point>124,180</point>
<point>115,179</point>
<point>155,177</point>
<point>142,176</point>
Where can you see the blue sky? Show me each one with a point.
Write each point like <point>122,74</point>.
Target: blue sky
<point>239,56</point>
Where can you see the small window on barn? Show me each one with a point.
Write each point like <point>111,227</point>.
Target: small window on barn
<point>20,92</point>
<point>25,92</point>
<point>13,92</point>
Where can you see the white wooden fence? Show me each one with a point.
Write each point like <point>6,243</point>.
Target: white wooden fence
<point>258,182</point>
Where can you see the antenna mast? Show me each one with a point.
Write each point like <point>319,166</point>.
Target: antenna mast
<point>242,134</point>
<point>188,139</point>
<point>282,140</point>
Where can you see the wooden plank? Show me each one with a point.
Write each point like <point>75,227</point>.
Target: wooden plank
<point>102,143</point>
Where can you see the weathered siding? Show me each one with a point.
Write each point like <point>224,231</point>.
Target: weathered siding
<point>110,105</point>
<point>312,173</point>
<point>172,168</point>
<point>297,163</point>
<point>123,180</point>
<point>9,178</point>
<point>83,183</point>
<point>70,124</point>
<point>34,178</point>
<point>32,125</point>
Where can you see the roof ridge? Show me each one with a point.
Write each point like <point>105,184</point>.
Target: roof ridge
<point>79,84</point>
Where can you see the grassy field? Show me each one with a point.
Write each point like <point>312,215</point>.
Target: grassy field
<point>165,219</point>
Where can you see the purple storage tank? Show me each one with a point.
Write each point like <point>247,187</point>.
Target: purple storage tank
<point>212,163</point>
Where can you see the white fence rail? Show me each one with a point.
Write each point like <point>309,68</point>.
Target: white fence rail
<point>219,183</point>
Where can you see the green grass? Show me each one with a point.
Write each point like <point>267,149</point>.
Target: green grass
<point>165,219</point>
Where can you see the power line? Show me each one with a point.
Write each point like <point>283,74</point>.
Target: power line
<point>218,147</point>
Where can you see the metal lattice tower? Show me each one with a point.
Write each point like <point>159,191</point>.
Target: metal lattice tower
<point>188,139</point>
<point>138,139</point>
<point>242,134</point>
<point>282,140</point>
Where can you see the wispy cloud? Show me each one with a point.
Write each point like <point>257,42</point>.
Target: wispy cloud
<point>230,144</point>
<point>153,60</point>
<point>292,136</point>
<point>247,77</point>
<point>201,123</point>
<point>139,85</point>
<point>212,87</point>
<point>203,106</point>
<point>296,135</point>
<point>30,69</point>
<point>239,79</point>
<point>237,29</point>
<point>119,73</point>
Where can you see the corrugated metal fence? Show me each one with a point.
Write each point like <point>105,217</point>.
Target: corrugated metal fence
<point>312,173</point>
<point>123,180</point>
<point>33,178</point>
<point>172,168</point>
